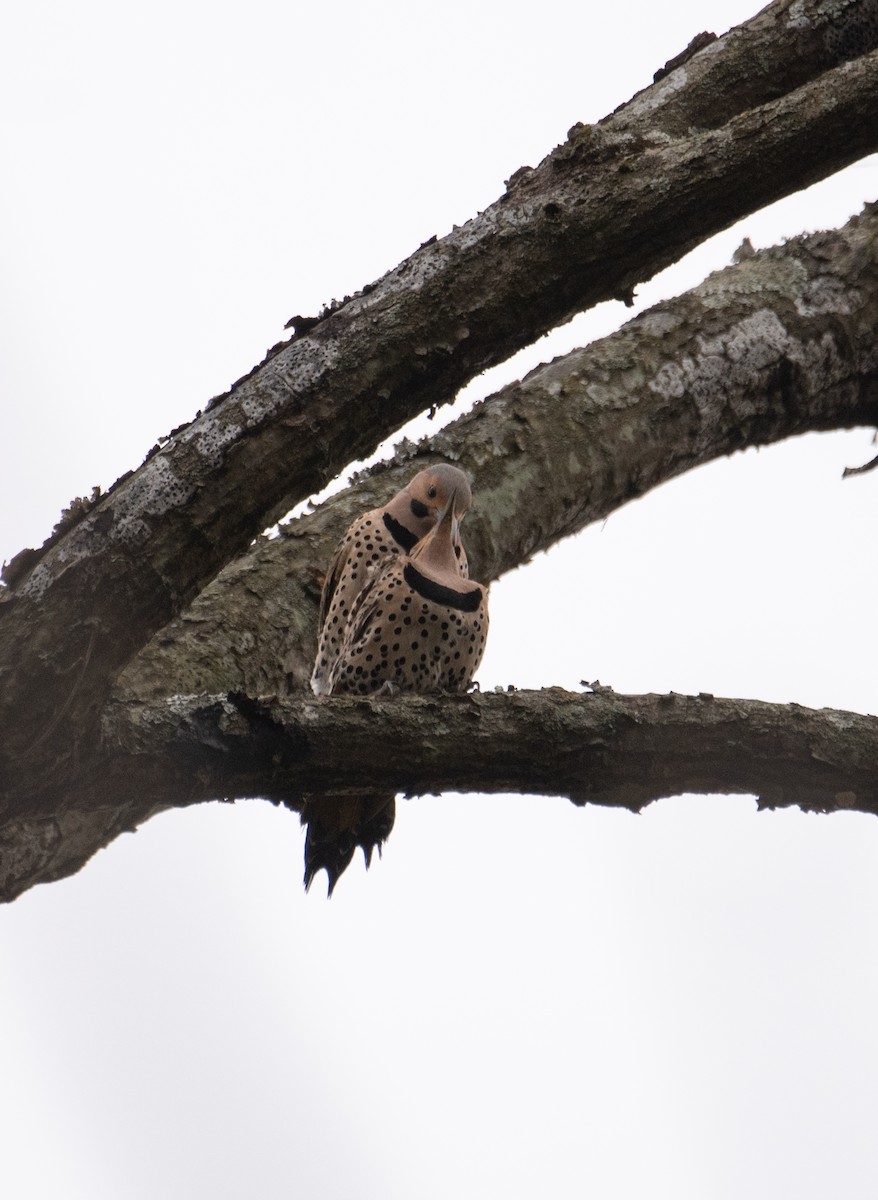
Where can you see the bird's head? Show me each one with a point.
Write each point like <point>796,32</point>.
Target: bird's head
<point>429,493</point>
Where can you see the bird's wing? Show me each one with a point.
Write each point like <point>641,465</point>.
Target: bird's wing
<point>334,573</point>
<point>365,611</point>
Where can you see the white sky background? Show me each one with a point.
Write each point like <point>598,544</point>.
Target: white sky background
<point>522,998</point>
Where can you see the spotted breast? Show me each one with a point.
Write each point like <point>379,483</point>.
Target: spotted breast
<point>371,541</point>
<point>417,625</point>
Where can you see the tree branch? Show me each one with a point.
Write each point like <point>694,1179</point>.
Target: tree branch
<point>604,748</point>
<point>752,64</point>
<point>596,217</point>
<point>779,344</point>
<point>614,204</point>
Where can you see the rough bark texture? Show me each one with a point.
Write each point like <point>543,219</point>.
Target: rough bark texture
<point>779,345</point>
<point>752,64</point>
<point>601,213</point>
<point>599,748</point>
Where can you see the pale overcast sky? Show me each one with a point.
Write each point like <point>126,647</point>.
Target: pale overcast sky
<point>522,998</point>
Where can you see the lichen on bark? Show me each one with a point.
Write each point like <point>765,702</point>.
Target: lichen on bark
<point>106,634</point>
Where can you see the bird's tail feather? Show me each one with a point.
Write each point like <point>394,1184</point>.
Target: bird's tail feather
<point>337,825</point>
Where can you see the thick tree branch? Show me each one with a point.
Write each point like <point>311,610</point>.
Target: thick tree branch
<point>779,344</point>
<point>596,217</point>
<point>601,748</point>
<point>611,206</point>
<point>752,65</point>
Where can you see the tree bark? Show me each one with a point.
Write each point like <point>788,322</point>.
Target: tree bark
<point>780,344</point>
<point>714,80</point>
<point>604,211</point>
<point>602,748</point>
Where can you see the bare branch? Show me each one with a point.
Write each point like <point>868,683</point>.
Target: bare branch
<point>599,748</point>
<point>869,466</point>
<point>777,104</point>
<point>778,344</point>
<point>752,64</point>
<point>596,217</point>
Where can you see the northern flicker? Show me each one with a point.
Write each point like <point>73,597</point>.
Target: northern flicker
<point>394,529</point>
<point>336,827</point>
<point>417,625</point>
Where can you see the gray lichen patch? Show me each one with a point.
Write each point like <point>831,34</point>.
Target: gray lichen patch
<point>828,294</point>
<point>729,369</point>
<point>766,273</point>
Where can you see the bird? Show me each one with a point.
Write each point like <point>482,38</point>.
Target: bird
<point>417,625</point>
<point>375,540</point>
<point>394,529</point>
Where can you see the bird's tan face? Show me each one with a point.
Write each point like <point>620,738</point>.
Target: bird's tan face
<point>437,549</point>
<point>431,490</point>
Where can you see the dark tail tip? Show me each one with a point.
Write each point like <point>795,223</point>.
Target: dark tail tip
<point>378,817</point>
<point>332,855</point>
<point>330,849</point>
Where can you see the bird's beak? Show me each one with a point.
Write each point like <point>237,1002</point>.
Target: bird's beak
<point>449,518</point>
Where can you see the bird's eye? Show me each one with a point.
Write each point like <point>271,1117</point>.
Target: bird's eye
<point>431,492</point>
